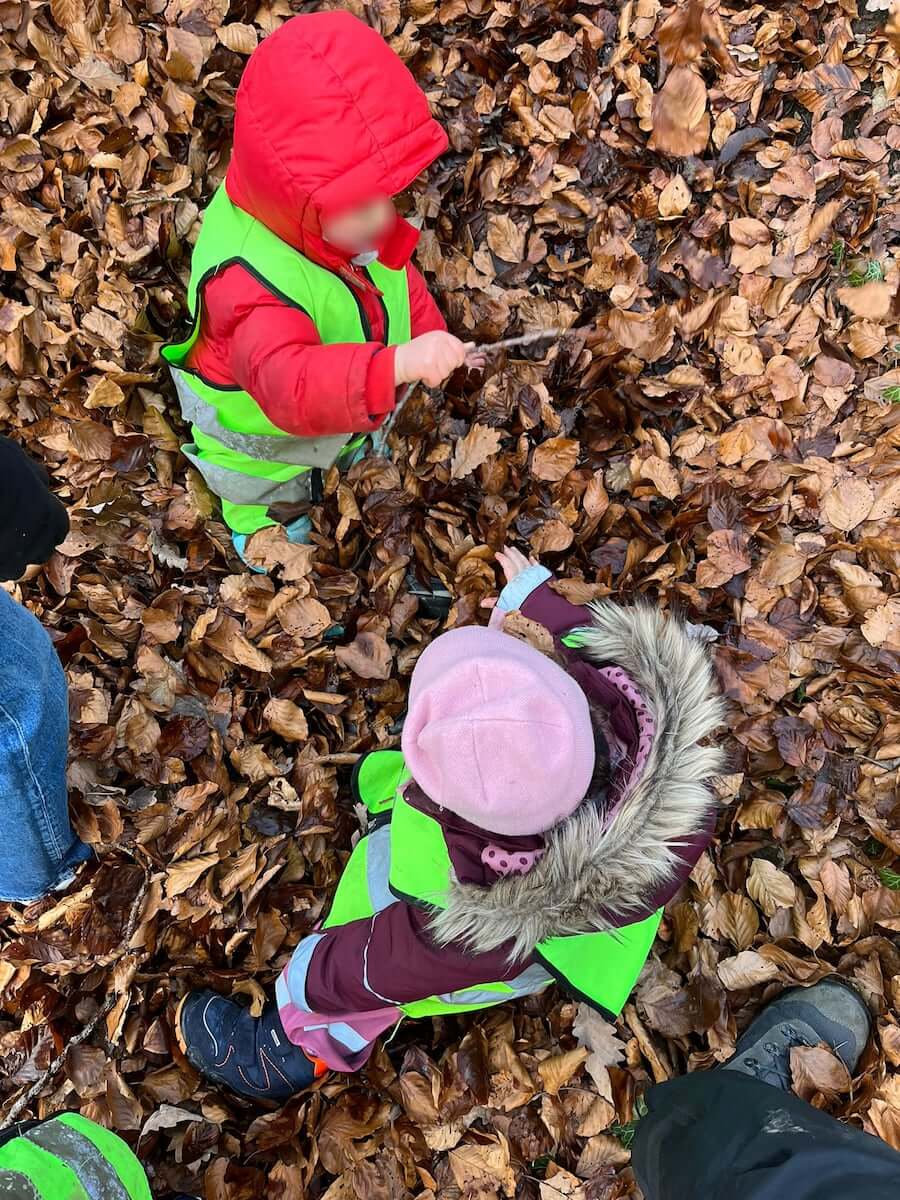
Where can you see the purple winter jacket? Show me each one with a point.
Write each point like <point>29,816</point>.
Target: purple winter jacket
<point>353,977</point>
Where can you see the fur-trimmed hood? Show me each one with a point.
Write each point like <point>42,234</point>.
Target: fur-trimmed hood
<point>600,867</point>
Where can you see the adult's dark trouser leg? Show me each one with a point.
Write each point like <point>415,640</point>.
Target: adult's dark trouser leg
<point>719,1134</point>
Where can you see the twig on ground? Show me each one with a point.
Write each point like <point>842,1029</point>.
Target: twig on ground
<point>38,1086</point>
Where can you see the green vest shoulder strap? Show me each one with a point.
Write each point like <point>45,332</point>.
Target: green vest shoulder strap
<point>420,862</point>
<point>376,779</point>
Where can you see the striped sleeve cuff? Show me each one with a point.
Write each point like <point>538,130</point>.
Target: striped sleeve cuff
<point>519,589</point>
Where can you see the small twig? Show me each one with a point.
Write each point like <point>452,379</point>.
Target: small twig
<point>874,761</point>
<point>151,198</point>
<point>524,339</point>
<point>340,760</point>
<point>39,1084</point>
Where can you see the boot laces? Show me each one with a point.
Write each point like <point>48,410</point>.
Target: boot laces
<point>777,1066</point>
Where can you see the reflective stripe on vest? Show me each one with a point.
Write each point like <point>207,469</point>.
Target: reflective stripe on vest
<point>363,890</point>
<point>533,979</point>
<point>233,437</point>
<point>71,1157</point>
<point>294,451</point>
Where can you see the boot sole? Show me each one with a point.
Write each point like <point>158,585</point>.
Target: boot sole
<point>179,1036</point>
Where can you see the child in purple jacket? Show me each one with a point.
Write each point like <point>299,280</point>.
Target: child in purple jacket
<point>544,808</point>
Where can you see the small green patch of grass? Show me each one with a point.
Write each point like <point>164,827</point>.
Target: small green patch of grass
<point>838,253</point>
<point>625,1133</point>
<point>868,271</point>
<point>891,394</point>
<point>890,879</point>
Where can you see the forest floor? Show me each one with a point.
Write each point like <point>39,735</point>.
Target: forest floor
<point>708,199</point>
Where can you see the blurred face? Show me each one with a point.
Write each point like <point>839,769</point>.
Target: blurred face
<point>361,228</point>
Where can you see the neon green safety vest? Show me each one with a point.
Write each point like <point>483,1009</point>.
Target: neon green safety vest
<point>242,456</point>
<point>71,1158</point>
<point>600,968</point>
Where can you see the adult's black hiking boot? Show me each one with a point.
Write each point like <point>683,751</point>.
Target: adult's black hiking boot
<point>251,1055</point>
<point>435,601</point>
<point>830,1011</point>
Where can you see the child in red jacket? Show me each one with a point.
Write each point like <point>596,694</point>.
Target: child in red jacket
<point>308,313</point>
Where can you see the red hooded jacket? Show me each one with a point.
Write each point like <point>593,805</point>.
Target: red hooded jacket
<point>326,118</point>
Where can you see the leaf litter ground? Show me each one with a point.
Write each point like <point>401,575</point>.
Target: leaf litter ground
<point>706,198</point>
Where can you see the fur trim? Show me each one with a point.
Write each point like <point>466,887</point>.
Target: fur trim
<point>599,867</point>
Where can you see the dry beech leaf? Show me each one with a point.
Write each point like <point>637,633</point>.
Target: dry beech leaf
<point>871,300</point>
<point>505,238</point>
<point>185,54</point>
<point>882,625</point>
<point>867,339</point>
<point>662,475</point>
<point>559,1184</point>
<point>482,1168</point>
<point>738,920</point>
<point>554,459</point>
<point>785,378</point>
<point>305,617</point>
<point>551,537</point>
<point>727,555</point>
<point>104,394</point>
<point>680,120</point>
<point>681,35</point>
<point>243,39</point>
<point>369,656</point>
<point>557,47</point>
<point>596,498</point>
<point>287,719</point>
<point>816,1069</point>
<point>183,875</point>
<point>560,1069</point>
<point>745,970</point>
<point>836,881</point>
<point>782,566</point>
<point>675,198</point>
<point>892,27</point>
<point>769,887</point>
<point>848,504</point>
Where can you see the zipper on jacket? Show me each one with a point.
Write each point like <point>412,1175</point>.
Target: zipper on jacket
<point>380,295</point>
<point>363,316</point>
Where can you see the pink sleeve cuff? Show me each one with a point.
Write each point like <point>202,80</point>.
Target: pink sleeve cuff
<point>381,391</point>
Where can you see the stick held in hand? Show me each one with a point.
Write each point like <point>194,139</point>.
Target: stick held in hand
<point>481,349</point>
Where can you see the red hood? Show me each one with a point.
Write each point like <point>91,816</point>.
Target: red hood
<point>327,117</point>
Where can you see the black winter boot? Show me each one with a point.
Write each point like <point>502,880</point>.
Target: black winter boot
<point>830,1011</point>
<point>251,1055</point>
<point>435,601</point>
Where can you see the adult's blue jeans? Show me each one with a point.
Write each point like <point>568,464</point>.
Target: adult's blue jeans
<point>38,848</point>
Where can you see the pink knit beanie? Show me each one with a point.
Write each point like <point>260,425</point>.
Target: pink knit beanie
<point>497,732</point>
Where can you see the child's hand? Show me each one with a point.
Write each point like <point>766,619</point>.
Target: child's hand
<point>431,357</point>
<point>514,562</point>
